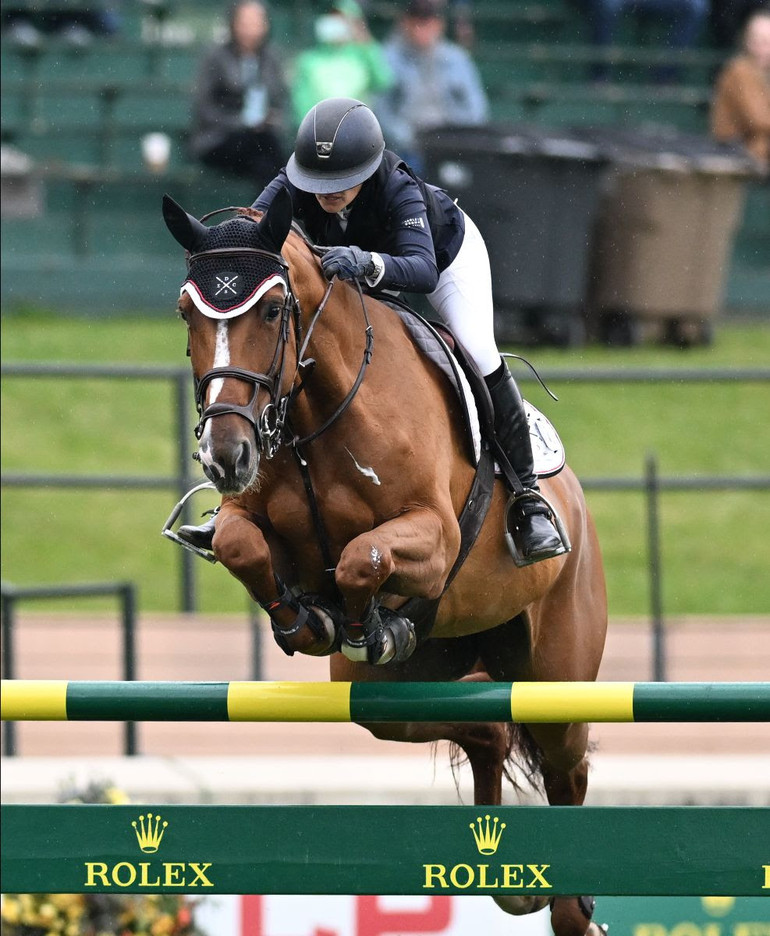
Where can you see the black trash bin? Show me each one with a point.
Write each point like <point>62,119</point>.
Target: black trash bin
<point>533,193</point>
<point>664,234</point>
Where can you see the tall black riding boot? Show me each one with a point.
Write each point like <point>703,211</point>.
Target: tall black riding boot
<point>530,520</point>
<point>200,536</point>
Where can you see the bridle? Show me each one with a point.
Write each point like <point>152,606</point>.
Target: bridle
<point>271,426</point>
<point>268,425</point>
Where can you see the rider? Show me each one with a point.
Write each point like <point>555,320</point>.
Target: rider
<point>390,230</point>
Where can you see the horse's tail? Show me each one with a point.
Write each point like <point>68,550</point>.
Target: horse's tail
<point>522,762</point>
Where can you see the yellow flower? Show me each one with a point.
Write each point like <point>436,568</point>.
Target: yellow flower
<point>116,797</point>
<point>11,909</point>
<point>47,914</point>
<point>163,926</point>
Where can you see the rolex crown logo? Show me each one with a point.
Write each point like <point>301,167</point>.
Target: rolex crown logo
<point>487,836</point>
<point>149,832</point>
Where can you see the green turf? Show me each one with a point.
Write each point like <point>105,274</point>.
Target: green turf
<point>715,545</point>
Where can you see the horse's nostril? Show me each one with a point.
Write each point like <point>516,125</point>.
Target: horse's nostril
<point>243,461</point>
<point>212,472</point>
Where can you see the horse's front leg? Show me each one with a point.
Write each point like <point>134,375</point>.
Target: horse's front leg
<point>409,555</point>
<point>241,547</point>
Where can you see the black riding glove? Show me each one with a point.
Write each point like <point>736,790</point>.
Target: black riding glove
<point>347,263</point>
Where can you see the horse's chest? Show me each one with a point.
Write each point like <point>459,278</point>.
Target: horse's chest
<point>341,512</point>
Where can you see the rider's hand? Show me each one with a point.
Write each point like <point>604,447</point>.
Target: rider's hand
<point>347,263</point>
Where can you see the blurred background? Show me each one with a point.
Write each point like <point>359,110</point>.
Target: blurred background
<point>588,163</point>
<point>630,248</point>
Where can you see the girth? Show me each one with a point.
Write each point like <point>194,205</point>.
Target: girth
<point>422,611</point>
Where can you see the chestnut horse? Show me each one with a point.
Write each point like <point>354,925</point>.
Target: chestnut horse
<point>339,452</point>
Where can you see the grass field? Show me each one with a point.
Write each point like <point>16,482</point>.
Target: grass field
<point>716,548</point>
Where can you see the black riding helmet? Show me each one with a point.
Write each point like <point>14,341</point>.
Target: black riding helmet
<point>339,144</point>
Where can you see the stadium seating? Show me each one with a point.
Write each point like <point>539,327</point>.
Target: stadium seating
<point>83,112</point>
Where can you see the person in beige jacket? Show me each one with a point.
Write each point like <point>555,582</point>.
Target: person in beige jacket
<point>740,107</point>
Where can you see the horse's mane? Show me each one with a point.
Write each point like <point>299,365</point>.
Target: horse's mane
<point>296,233</point>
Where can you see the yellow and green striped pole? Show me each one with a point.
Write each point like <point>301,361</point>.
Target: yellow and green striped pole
<point>560,702</point>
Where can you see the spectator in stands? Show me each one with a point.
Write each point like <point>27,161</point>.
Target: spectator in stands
<point>684,19</point>
<point>345,62</point>
<point>740,108</point>
<point>436,82</point>
<point>241,98</point>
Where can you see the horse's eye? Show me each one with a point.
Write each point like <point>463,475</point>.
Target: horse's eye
<point>272,312</point>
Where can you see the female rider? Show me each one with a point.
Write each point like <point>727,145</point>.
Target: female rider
<point>392,231</point>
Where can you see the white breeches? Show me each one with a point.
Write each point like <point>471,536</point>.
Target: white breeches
<point>463,299</point>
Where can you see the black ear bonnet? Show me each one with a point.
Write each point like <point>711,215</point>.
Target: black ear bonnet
<point>231,265</point>
<point>228,284</point>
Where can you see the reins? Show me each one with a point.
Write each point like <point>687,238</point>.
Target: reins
<point>272,427</point>
<point>365,361</point>
<point>298,443</point>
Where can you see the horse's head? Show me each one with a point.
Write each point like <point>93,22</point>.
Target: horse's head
<point>237,304</point>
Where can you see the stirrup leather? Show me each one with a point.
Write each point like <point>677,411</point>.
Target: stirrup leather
<point>513,547</point>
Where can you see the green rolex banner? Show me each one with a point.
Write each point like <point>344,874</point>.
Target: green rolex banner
<point>411,850</point>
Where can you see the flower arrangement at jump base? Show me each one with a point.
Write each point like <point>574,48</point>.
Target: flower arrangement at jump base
<point>97,914</point>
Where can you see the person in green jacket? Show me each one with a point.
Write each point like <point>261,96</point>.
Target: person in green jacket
<point>345,62</point>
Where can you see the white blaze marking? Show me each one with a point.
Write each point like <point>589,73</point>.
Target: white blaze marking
<point>366,472</point>
<point>221,359</point>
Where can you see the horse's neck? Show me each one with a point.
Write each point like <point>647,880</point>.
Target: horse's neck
<point>337,337</point>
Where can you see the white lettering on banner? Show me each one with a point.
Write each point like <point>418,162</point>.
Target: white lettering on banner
<point>288,915</point>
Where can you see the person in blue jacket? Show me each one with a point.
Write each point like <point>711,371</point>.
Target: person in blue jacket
<point>392,231</point>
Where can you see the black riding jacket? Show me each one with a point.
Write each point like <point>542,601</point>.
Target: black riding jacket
<point>415,227</point>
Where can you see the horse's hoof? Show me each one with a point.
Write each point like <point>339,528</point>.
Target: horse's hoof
<point>324,621</point>
<point>571,916</point>
<point>519,906</point>
<point>382,637</point>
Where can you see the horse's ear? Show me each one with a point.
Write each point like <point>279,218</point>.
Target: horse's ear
<point>276,222</point>
<point>186,229</point>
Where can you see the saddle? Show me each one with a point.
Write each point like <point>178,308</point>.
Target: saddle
<point>440,346</point>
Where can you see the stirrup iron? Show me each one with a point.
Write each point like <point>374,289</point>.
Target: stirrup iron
<point>516,554</point>
<point>174,516</point>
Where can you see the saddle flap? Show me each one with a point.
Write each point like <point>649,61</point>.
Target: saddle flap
<point>478,419</point>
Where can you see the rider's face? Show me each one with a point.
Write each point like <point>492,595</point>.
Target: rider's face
<point>338,200</point>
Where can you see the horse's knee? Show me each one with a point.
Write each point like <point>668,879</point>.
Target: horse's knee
<point>413,732</point>
<point>240,547</point>
<point>363,567</point>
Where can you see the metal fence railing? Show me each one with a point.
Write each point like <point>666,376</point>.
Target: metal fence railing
<point>11,596</point>
<point>650,484</point>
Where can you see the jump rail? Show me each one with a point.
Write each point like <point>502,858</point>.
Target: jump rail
<point>557,702</point>
<point>383,849</point>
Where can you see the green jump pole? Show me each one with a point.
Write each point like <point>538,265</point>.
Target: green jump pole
<point>528,702</point>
